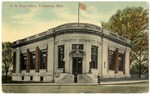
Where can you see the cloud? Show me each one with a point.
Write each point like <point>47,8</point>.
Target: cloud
<point>25,18</point>
<point>17,34</point>
<point>91,15</point>
<point>95,16</point>
<point>30,23</point>
<point>65,14</point>
<point>31,26</point>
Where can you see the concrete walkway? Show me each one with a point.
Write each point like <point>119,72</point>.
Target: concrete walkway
<point>125,82</point>
<point>102,83</point>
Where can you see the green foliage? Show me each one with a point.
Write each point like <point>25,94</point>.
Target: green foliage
<point>144,69</point>
<point>128,22</point>
<point>6,79</point>
<point>132,23</point>
<point>6,57</point>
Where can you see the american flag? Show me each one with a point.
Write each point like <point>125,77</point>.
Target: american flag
<point>82,6</point>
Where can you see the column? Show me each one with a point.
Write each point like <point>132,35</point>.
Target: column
<point>17,60</point>
<point>105,58</point>
<point>67,50</point>
<point>87,57</point>
<point>127,63</point>
<point>37,64</point>
<point>99,59</point>
<point>28,61</point>
<point>116,60</point>
<point>69,67</point>
<point>50,56</point>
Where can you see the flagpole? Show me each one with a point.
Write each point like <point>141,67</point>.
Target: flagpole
<point>78,14</point>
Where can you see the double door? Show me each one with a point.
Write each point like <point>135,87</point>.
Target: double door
<point>77,65</point>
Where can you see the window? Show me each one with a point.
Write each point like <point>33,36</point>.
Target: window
<point>60,56</point>
<point>41,78</point>
<point>77,46</point>
<point>31,78</point>
<point>32,64</point>
<point>24,60</point>
<point>43,59</point>
<point>121,61</point>
<point>22,77</point>
<point>94,57</point>
<point>111,60</point>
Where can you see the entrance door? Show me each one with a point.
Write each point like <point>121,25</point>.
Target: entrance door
<point>77,65</point>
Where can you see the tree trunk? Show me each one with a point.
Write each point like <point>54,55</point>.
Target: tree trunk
<point>6,72</point>
<point>140,72</point>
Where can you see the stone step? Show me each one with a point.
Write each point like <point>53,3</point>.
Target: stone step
<point>67,79</point>
<point>84,79</point>
<point>81,79</point>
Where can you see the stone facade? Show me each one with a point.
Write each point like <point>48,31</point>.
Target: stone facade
<point>71,48</point>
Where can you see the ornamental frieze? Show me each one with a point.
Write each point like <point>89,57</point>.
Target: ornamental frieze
<point>78,40</point>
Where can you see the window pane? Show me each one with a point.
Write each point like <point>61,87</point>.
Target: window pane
<point>43,59</point>
<point>23,63</point>
<point>60,56</point>
<point>77,46</point>
<point>121,61</point>
<point>32,64</point>
<point>111,60</point>
<point>94,56</point>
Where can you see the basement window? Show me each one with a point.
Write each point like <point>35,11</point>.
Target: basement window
<point>22,77</point>
<point>41,78</point>
<point>31,78</point>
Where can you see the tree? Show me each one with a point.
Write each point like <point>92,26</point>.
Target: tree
<point>132,24</point>
<point>141,55</point>
<point>6,57</point>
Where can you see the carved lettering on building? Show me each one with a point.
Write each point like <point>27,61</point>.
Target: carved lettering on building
<point>79,40</point>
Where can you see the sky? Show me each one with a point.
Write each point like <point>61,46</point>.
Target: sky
<point>23,19</point>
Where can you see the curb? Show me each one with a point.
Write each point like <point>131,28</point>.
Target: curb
<point>77,84</point>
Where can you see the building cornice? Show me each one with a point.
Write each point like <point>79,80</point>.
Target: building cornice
<point>73,28</point>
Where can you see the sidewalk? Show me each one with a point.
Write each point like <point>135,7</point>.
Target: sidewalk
<point>125,82</point>
<point>82,84</point>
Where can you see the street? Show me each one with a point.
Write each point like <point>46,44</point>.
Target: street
<point>119,88</point>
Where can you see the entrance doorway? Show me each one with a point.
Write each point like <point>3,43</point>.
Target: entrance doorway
<point>77,65</point>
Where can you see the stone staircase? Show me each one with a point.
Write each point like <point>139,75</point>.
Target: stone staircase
<point>82,78</point>
<point>69,78</point>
